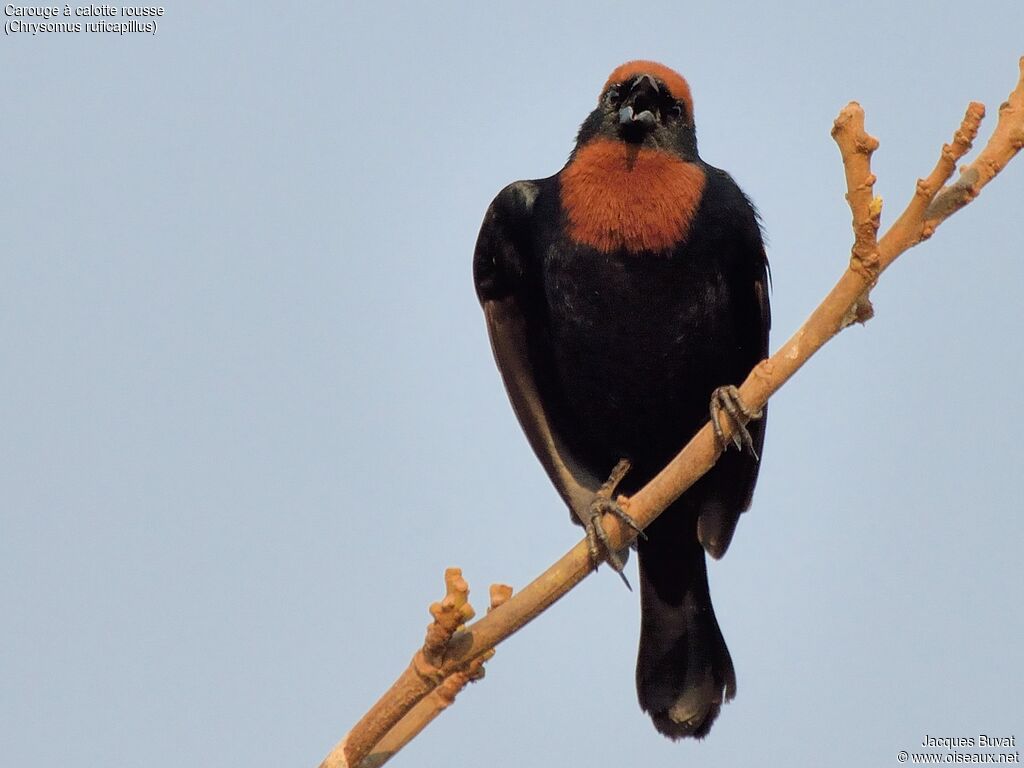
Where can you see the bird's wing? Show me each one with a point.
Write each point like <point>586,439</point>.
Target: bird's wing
<point>735,474</point>
<point>501,270</point>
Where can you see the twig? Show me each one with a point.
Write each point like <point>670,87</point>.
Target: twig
<point>450,615</point>
<point>437,701</point>
<point>847,302</point>
<point>856,147</point>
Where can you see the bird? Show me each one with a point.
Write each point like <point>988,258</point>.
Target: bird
<point>625,298</point>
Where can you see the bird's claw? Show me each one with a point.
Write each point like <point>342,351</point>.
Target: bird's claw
<point>597,538</point>
<point>728,399</point>
<point>598,542</point>
<point>602,504</point>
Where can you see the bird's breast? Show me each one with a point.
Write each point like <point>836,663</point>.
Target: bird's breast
<point>619,197</point>
<point>633,344</point>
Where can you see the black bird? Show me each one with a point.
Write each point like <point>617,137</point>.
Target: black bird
<point>623,295</point>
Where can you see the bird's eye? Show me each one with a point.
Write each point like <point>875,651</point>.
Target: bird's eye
<point>612,97</point>
<point>677,111</point>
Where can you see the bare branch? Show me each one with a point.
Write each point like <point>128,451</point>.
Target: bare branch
<point>378,730</point>
<point>856,147</point>
<point>437,701</point>
<point>1007,140</point>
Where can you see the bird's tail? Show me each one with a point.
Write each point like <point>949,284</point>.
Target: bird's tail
<point>684,672</point>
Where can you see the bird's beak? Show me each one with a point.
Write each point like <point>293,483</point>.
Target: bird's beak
<point>628,117</point>
<point>640,104</point>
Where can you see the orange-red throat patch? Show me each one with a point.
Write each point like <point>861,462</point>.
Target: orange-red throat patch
<point>618,196</point>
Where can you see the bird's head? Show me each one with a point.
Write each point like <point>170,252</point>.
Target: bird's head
<point>646,104</point>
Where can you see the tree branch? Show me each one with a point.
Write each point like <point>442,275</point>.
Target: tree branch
<point>847,302</point>
<point>856,147</point>
<point>439,699</point>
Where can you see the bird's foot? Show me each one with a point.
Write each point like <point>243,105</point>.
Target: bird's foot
<point>597,538</point>
<point>728,399</point>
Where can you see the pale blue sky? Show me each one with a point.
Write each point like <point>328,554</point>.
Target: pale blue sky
<point>249,413</point>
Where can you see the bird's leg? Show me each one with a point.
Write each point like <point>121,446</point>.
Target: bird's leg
<point>728,399</point>
<point>617,474</point>
<point>597,538</point>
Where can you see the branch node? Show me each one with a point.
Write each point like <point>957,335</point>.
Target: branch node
<point>868,266</point>
<point>452,612</point>
<point>500,593</point>
<point>866,143</point>
<point>449,689</point>
<point>860,312</point>
<point>875,211</point>
<point>864,310</point>
<point>427,671</point>
<point>765,370</point>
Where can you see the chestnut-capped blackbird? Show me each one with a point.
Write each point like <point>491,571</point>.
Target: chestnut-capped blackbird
<point>623,295</point>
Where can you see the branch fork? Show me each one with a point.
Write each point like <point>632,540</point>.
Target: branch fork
<point>426,688</point>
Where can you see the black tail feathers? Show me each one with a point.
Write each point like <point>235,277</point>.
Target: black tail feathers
<point>684,672</point>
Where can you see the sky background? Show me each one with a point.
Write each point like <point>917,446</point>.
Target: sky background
<point>248,411</point>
